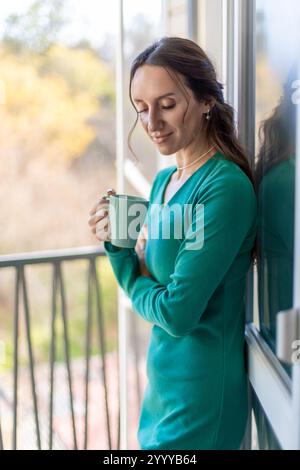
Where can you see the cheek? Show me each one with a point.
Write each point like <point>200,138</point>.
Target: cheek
<point>144,122</point>
<point>186,119</point>
<point>193,121</point>
<point>184,123</point>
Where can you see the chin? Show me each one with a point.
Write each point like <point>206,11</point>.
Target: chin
<point>166,152</point>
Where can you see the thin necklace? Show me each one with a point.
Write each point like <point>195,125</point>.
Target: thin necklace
<point>190,164</point>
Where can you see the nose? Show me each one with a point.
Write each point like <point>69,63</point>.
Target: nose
<point>154,121</point>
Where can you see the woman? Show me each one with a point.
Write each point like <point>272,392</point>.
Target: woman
<point>196,396</point>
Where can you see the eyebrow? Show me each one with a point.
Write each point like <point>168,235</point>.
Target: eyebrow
<point>159,98</point>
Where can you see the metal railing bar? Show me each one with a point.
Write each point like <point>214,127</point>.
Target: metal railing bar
<point>102,348</point>
<point>16,354</point>
<point>31,358</point>
<point>52,353</point>
<point>38,257</point>
<point>119,407</point>
<point>87,352</point>
<point>136,354</point>
<point>67,349</point>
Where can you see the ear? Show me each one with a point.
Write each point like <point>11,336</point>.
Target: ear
<point>210,102</point>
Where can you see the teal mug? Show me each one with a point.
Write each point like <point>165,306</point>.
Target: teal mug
<point>126,217</point>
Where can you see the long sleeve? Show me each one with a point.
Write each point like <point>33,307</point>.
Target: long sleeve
<point>125,265</point>
<point>124,261</point>
<point>230,210</point>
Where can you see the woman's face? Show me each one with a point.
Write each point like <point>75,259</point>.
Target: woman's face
<point>169,119</point>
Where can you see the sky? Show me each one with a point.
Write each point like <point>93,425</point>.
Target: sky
<point>91,19</point>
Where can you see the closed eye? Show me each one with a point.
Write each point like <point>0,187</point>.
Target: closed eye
<point>163,107</point>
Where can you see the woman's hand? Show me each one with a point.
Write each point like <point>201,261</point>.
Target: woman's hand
<point>98,220</point>
<point>99,224</point>
<point>140,250</point>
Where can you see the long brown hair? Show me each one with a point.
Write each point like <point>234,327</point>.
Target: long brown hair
<point>185,57</point>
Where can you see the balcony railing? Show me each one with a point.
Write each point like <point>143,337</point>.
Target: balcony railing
<point>44,435</point>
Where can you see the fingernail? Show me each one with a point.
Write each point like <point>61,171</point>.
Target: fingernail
<point>101,212</point>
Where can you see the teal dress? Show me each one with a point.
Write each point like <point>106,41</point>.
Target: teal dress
<point>196,394</point>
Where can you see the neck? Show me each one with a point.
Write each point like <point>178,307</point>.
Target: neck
<point>183,160</point>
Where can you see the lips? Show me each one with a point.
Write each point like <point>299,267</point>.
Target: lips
<point>162,138</point>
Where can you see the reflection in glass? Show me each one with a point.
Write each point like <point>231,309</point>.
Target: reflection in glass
<point>277,37</point>
<point>275,179</point>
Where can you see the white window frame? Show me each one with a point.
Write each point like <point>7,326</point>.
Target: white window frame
<point>279,395</point>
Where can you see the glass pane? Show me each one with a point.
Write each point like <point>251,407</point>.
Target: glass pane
<point>276,74</point>
<point>277,40</point>
<point>57,146</point>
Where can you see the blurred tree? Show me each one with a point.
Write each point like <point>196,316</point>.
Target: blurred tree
<point>82,70</point>
<point>49,101</point>
<point>37,29</point>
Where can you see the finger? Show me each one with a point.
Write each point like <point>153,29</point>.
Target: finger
<point>142,240</point>
<point>104,235</point>
<point>100,214</point>
<point>139,248</point>
<point>102,223</point>
<point>102,200</point>
<point>101,235</point>
<point>145,231</point>
<point>98,204</point>
<point>107,235</point>
<point>111,191</point>
<point>103,204</point>
<point>139,244</point>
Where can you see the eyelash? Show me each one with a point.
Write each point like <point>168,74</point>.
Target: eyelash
<point>163,107</point>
